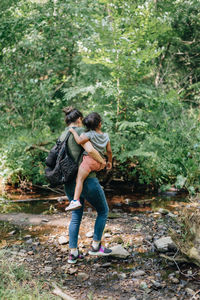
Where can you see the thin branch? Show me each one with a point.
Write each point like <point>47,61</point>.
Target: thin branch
<point>193,297</point>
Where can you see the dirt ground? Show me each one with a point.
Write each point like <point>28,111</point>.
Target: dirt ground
<point>34,240</point>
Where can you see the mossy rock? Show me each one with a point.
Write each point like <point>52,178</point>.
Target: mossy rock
<point>112,215</point>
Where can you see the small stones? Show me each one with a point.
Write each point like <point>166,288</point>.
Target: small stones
<point>89,234</point>
<point>174,280</point>
<point>138,273</point>
<point>45,220</point>
<point>29,241</point>
<point>64,248</point>
<point>157,284</point>
<point>112,215</point>
<point>72,271</point>
<point>190,291</point>
<point>122,276</point>
<point>22,254</point>
<point>127,201</point>
<point>106,265</point>
<point>164,244</point>
<point>28,236</point>
<point>48,269</point>
<point>163,211</point>
<point>62,240</point>
<point>143,285</point>
<point>131,278</point>
<point>107,235</point>
<point>119,251</point>
<point>12,232</point>
<point>82,276</point>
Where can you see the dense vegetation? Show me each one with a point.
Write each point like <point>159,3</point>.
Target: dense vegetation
<point>135,62</point>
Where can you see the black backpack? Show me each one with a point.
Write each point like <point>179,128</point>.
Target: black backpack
<point>61,167</point>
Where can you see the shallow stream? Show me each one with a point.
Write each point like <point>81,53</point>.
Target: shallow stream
<point>42,203</point>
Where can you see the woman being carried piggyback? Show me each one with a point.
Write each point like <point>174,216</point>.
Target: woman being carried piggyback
<point>101,143</point>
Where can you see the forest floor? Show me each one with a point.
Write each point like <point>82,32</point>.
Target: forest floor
<point>34,241</point>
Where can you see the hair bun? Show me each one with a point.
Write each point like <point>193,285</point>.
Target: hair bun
<point>68,109</point>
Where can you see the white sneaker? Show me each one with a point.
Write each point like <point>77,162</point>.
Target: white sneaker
<point>74,204</point>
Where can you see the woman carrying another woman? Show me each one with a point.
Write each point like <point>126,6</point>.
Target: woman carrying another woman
<point>92,191</point>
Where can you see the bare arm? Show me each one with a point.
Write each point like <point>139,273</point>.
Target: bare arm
<point>80,140</point>
<point>109,155</point>
<point>94,153</point>
<point>86,144</point>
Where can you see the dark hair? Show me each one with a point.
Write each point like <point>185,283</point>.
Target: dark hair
<point>92,121</point>
<point>71,114</point>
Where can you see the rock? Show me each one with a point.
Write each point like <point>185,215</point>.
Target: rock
<point>174,280</point>
<point>113,215</point>
<point>107,235</point>
<point>82,276</point>
<point>48,269</point>
<point>30,241</point>
<point>72,271</point>
<point>156,215</point>
<point>58,259</point>
<point>89,234</point>
<point>138,273</point>
<point>22,254</point>
<point>132,298</point>
<point>45,220</point>
<point>143,285</point>
<point>156,284</point>
<point>64,248</point>
<point>122,276</point>
<point>28,236</point>
<point>164,244</point>
<point>96,266</point>
<point>63,240</point>
<point>36,243</point>
<point>106,265</point>
<point>127,201</point>
<point>189,272</point>
<point>148,237</point>
<point>12,232</point>
<point>119,251</point>
<point>172,215</point>
<point>163,211</point>
<point>190,291</point>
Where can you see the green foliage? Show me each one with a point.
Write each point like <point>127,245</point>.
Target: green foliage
<point>135,62</point>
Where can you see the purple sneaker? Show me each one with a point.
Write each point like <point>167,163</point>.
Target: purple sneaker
<point>100,251</point>
<point>73,259</point>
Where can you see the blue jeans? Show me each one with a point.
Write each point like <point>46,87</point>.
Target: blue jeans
<point>94,194</point>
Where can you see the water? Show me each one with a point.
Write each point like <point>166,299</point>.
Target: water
<point>44,203</point>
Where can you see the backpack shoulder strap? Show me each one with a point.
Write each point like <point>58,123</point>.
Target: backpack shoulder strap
<point>62,150</point>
